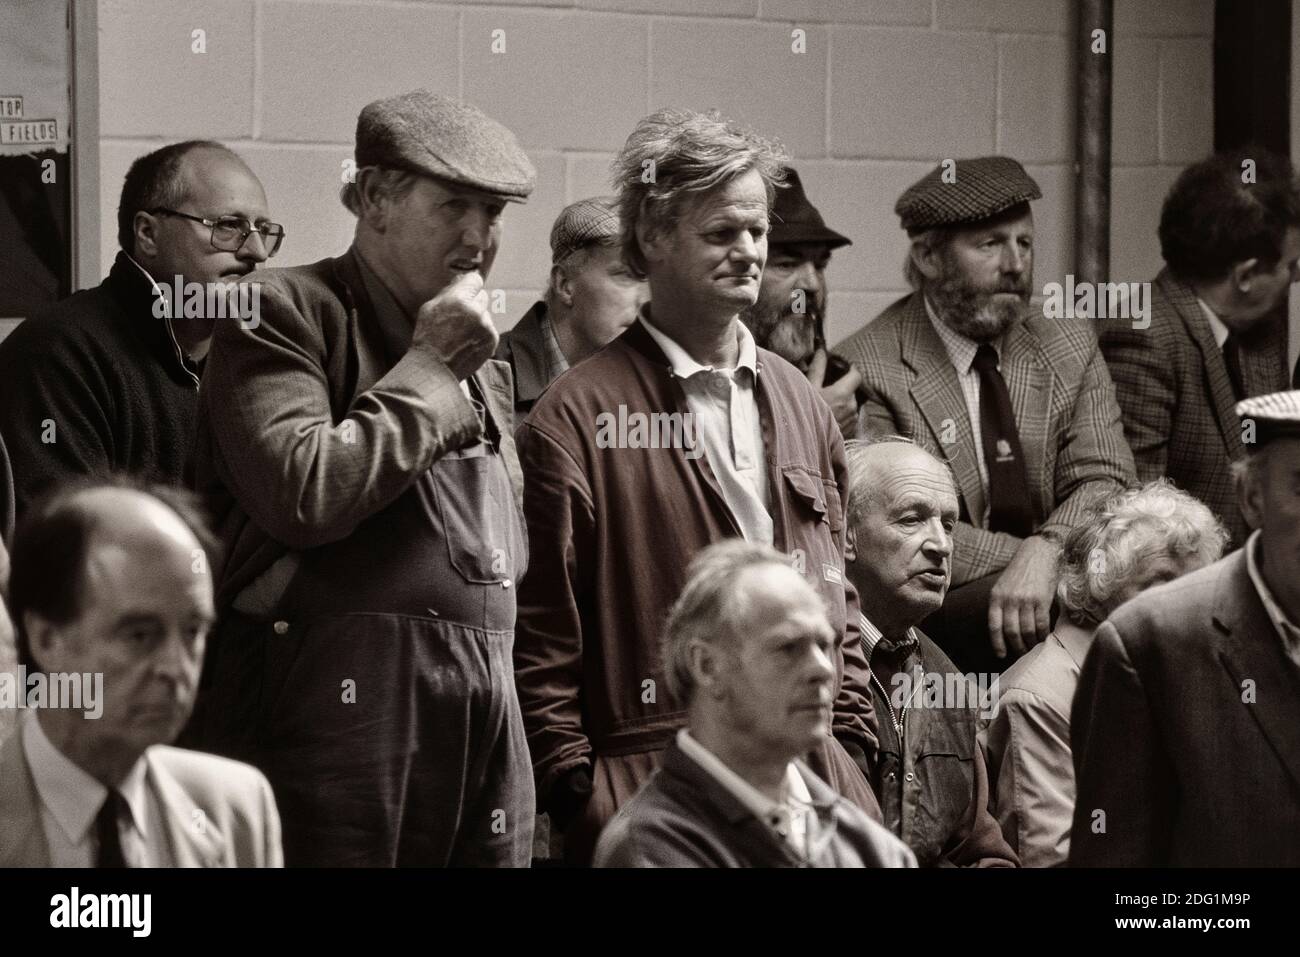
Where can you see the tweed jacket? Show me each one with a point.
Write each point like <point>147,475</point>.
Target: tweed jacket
<point>1177,400</point>
<point>1186,731</point>
<point>1065,409</point>
<point>233,800</point>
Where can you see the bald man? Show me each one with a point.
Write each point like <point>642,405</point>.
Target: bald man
<point>930,776</point>
<point>112,597</point>
<point>107,381</point>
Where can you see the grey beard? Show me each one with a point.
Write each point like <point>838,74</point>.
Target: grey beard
<point>975,313</point>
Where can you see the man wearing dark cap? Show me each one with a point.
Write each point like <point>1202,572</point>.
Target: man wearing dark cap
<point>789,317</point>
<point>357,448</point>
<point>1186,723</point>
<point>590,298</point>
<point>1021,407</point>
<point>1216,336</point>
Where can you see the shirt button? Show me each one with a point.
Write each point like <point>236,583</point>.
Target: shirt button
<point>506,583</point>
<point>910,776</point>
<point>281,627</point>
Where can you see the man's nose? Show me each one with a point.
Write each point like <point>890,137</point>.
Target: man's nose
<point>809,278</point>
<point>747,248</point>
<point>254,248</point>
<point>477,233</point>
<point>173,660</point>
<point>938,543</point>
<point>1013,259</point>
<point>823,668</point>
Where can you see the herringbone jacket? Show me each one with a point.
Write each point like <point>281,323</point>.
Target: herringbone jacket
<point>1062,397</point>
<point>1176,397</point>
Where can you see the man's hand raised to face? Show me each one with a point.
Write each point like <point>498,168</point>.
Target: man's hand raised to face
<point>839,395</point>
<point>456,326</point>
<point>1020,604</point>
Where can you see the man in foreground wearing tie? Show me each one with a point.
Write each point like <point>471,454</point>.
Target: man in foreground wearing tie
<point>1230,237</point>
<point>112,595</point>
<point>1020,406</point>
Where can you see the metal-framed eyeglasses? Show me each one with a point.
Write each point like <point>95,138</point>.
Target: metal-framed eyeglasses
<point>229,233</point>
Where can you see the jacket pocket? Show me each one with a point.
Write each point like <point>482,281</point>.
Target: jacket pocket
<point>481,521</point>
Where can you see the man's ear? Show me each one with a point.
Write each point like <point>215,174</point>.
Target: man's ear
<point>651,242</point>
<point>563,286</point>
<point>1243,274</point>
<point>706,665</point>
<point>850,545</point>
<point>925,257</point>
<point>46,642</point>
<point>373,200</point>
<point>145,228</point>
<point>1250,496</point>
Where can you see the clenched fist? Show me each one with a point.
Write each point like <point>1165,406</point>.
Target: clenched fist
<point>456,327</point>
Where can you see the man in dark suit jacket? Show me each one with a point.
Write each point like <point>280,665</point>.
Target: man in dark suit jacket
<point>1025,476</point>
<point>1216,334</point>
<point>1186,723</point>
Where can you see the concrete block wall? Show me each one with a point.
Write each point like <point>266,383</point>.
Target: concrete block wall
<point>883,90</point>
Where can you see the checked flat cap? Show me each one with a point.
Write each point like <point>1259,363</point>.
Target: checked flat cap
<point>1276,416</point>
<point>582,223</point>
<point>424,132</point>
<point>984,187</point>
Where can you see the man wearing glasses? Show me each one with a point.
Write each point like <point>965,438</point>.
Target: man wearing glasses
<point>107,380</point>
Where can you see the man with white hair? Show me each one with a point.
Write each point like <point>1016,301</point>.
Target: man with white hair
<point>1134,540</point>
<point>750,651</point>
<point>678,434</point>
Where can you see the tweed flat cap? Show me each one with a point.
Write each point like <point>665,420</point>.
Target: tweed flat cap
<point>796,220</point>
<point>582,223</point>
<point>1276,416</point>
<point>424,132</point>
<point>983,187</point>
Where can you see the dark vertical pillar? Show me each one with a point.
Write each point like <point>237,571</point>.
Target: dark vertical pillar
<point>1092,151</point>
<point>1252,74</point>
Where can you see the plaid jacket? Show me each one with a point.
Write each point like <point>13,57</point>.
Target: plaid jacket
<point>1065,409</point>
<point>1176,397</point>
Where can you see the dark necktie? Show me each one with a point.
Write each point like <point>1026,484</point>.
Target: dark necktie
<point>113,810</point>
<point>1232,359</point>
<point>1009,507</point>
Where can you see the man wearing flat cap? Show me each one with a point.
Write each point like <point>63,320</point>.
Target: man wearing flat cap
<point>356,445</point>
<point>1186,722</point>
<point>790,315</point>
<point>1021,407</point>
<point>590,298</point>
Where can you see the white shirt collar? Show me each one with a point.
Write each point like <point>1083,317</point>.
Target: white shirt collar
<point>684,366</point>
<point>764,808</point>
<point>1216,324</point>
<point>1286,629</point>
<point>72,796</point>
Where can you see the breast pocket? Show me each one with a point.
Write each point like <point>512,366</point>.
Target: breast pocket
<point>816,534</point>
<point>945,774</point>
<point>481,522</point>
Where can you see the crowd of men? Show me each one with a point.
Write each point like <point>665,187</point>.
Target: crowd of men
<point>657,577</point>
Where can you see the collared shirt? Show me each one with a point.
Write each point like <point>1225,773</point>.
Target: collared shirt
<point>724,405</point>
<point>1216,324</point>
<point>556,363</point>
<point>70,800</point>
<point>1286,629</point>
<point>790,818</point>
<point>882,673</point>
<point>961,352</point>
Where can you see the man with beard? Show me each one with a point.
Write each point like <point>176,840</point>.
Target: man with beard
<point>790,315</point>
<point>1022,408</point>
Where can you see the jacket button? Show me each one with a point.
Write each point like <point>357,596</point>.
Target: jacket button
<point>506,583</point>
<point>911,776</point>
<point>281,627</point>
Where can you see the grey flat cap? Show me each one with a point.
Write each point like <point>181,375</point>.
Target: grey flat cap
<point>582,223</point>
<point>984,187</point>
<point>427,133</point>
